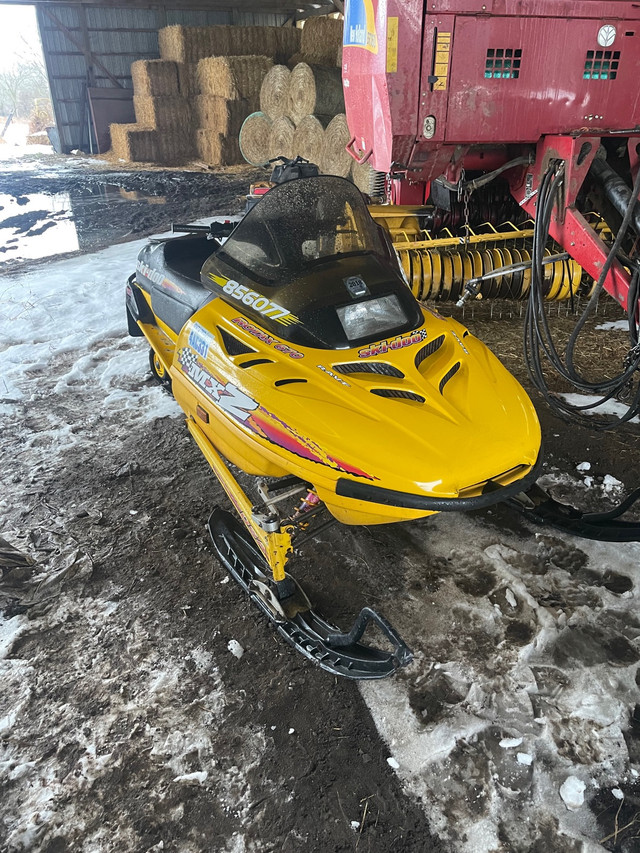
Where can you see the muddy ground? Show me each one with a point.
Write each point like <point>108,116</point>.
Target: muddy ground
<point>128,723</point>
<point>95,203</point>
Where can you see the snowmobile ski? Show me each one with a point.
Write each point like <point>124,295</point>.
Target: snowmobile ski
<point>537,505</point>
<point>319,641</point>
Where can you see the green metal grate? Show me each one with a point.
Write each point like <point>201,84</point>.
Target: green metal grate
<point>601,65</point>
<point>503,62</point>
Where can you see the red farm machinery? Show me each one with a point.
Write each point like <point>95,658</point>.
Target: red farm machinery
<point>503,138</point>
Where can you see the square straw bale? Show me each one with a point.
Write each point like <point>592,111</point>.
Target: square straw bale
<point>133,143</point>
<point>162,112</point>
<point>190,44</point>
<point>174,146</point>
<point>321,39</point>
<point>220,114</point>
<point>187,79</point>
<point>288,43</point>
<point>215,149</point>
<point>154,77</point>
<point>233,77</point>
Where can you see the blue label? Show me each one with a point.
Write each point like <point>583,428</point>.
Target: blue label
<point>360,25</point>
<point>200,340</point>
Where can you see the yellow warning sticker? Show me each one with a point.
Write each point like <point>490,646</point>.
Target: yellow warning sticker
<point>441,61</point>
<point>392,45</point>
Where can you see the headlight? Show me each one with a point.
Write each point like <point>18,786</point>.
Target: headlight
<point>371,319</point>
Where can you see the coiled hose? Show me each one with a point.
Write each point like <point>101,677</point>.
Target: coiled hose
<point>538,340</point>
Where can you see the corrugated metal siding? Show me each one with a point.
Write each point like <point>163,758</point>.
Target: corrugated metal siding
<point>117,36</point>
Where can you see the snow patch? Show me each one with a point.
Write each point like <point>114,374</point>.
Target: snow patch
<point>572,793</point>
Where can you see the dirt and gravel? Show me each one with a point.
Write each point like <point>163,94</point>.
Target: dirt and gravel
<point>128,723</point>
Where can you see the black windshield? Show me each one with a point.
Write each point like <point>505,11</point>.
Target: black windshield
<point>300,223</point>
<point>310,264</point>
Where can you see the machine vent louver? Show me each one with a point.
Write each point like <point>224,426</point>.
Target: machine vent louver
<point>601,65</point>
<point>396,392</point>
<point>369,367</point>
<point>429,349</point>
<point>232,345</point>
<point>449,375</point>
<point>503,63</point>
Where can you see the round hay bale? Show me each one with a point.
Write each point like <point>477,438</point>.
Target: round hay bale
<point>314,90</point>
<point>254,139</point>
<point>334,159</point>
<point>308,138</point>
<point>362,175</point>
<point>281,138</point>
<point>274,92</point>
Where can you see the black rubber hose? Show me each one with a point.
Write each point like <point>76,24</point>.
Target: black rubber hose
<point>616,189</point>
<point>537,334</point>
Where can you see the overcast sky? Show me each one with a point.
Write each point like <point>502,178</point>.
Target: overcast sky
<point>18,33</point>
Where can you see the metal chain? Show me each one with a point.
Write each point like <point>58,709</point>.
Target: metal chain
<point>464,195</point>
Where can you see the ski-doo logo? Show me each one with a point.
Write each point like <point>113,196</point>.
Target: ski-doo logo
<point>254,300</point>
<point>226,396</point>
<point>267,339</point>
<point>157,277</point>
<point>396,343</point>
<point>200,340</point>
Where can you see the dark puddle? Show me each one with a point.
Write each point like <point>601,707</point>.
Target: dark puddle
<point>46,212</point>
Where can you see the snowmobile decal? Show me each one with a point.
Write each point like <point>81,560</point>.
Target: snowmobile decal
<point>255,300</point>
<point>157,277</point>
<point>200,340</point>
<point>278,432</point>
<point>226,396</point>
<point>259,420</point>
<point>333,375</point>
<point>397,343</point>
<point>267,339</point>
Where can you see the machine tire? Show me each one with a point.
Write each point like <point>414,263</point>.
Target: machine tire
<point>158,371</point>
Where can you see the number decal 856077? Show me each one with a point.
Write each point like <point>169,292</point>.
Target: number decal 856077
<point>255,300</point>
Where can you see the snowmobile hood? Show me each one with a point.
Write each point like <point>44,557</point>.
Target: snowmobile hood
<point>429,412</point>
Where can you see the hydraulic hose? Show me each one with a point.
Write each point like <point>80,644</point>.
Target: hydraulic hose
<point>616,190</point>
<point>538,338</point>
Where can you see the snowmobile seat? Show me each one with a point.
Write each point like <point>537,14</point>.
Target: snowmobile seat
<point>170,272</point>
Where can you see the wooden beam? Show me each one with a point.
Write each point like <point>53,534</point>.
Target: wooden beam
<point>90,57</point>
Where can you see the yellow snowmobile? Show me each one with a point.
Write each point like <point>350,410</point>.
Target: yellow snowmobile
<point>299,355</point>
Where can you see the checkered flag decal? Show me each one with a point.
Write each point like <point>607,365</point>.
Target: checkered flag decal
<point>187,358</point>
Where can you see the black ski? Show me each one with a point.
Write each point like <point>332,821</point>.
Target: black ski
<point>319,641</point>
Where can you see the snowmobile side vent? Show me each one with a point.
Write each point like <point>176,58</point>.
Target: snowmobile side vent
<point>449,375</point>
<point>280,382</point>
<point>232,345</point>
<point>429,349</point>
<point>255,361</point>
<point>396,392</point>
<point>369,367</point>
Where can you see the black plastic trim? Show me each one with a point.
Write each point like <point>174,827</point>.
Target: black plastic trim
<point>389,497</point>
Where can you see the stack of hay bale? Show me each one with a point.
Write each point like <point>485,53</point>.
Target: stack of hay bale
<point>229,88</point>
<point>177,116</point>
<point>162,131</point>
<point>298,100</point>
<point>302,108</point>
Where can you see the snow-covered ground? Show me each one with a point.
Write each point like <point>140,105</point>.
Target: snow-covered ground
<point>517,728</point>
